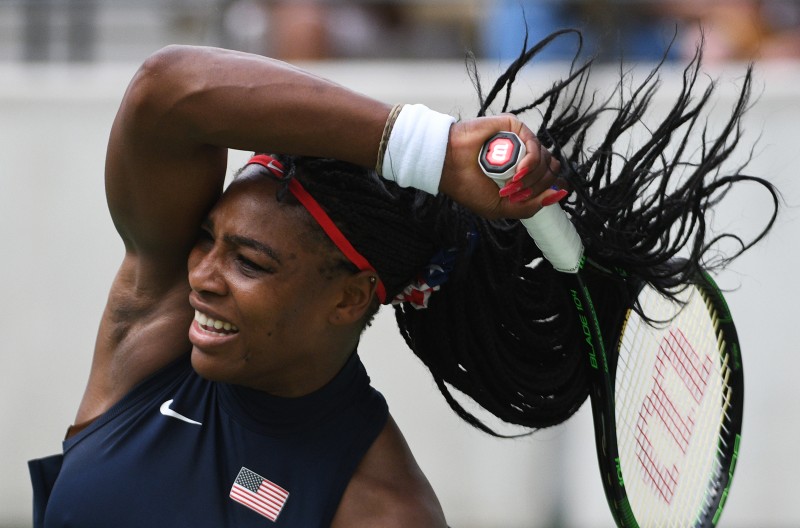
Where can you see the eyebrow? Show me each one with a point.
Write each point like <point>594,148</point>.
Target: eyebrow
<point>254,245</point>
<point>248,242</point>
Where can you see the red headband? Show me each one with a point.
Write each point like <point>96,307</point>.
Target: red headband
<point>322,218</point>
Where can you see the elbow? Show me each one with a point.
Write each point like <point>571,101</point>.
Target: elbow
<point>161,82</point>
<point>167,60</point>
<point>162,71</point>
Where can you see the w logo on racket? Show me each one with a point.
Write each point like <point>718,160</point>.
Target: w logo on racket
<point>678,372</point>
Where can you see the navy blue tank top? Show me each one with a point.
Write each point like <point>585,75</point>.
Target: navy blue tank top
<point>179,451</point>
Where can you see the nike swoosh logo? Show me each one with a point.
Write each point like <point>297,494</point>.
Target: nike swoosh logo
<point>166,411</point>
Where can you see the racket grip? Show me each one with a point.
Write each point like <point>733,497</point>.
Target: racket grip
<point>556,237</point>
<point>550,228</point>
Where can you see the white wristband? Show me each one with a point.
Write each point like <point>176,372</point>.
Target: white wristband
<point>415,153</point>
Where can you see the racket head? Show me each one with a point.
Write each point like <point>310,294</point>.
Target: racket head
<point>678,403</point>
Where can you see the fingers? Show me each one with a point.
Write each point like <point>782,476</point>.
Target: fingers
<point>534,183</point>
<point>525,204</point>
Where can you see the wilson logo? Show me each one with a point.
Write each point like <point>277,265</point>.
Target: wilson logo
<point>665,421</point>
<point>500,151</point>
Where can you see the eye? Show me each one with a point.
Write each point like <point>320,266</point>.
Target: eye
<point>248,264</point>
<point>251,268</point>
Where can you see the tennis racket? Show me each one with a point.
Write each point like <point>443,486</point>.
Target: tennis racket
<point>666,398</point>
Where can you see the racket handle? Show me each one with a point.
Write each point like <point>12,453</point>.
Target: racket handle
<point>550,228</point>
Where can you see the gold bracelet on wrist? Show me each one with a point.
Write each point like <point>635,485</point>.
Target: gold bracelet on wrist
<point>387,131</point>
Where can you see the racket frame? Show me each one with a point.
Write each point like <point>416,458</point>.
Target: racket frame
<point>602,394</point>
<point>560,243</point>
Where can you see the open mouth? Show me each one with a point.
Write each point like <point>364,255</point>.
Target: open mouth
<point>214,326</point>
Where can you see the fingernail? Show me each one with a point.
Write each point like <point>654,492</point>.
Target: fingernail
<point>510,188</point>
<point>519,175</point>
<point>522,195</point>
<point>554,198</point>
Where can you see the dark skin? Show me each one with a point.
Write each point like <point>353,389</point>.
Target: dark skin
<point>165,167</point>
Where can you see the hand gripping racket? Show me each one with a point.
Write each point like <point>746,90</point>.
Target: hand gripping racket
<point>667,398</point>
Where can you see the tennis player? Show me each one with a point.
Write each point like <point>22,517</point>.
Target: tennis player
<point>228,391</point>
<point>226,387</point>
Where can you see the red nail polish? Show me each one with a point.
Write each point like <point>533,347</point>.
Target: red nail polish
<point>522,195</point>
<point>519,175</point>
<point>510,188</point>
<point>554,198</point>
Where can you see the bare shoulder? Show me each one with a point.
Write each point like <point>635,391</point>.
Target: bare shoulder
<point>389,489</point>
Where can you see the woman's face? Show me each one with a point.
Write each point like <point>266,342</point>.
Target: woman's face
<point>261,295</point>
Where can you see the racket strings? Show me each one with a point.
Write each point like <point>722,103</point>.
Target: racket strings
<point>672,399</point>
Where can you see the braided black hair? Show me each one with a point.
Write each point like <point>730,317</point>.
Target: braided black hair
<point>501,330</point>
<point>652,205</point>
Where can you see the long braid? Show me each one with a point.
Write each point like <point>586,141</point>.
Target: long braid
<point>497,335</point>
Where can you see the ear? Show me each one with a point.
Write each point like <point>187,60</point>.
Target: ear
<point>357,296</point>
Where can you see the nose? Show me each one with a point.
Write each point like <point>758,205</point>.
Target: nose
<point>205,271</point>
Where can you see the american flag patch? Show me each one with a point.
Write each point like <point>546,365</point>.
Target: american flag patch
<point>259,494</point>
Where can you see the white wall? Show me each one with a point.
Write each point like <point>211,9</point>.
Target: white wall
<point>59,253</point>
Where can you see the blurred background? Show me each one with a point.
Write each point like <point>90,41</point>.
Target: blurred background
<point>118,30</point>
<point>64,66</point>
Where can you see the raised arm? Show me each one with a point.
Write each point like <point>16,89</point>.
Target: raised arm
<point>187,105</point>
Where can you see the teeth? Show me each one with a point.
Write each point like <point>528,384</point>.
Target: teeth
<point>216,324</point>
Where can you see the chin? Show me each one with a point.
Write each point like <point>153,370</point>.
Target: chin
<point>212,368</point>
